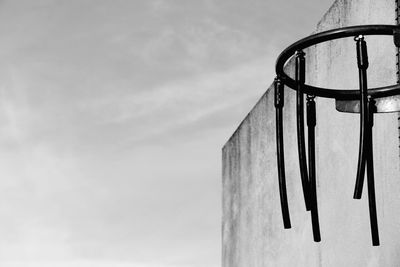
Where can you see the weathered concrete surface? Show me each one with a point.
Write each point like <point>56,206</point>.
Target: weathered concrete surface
<point>252,228</point>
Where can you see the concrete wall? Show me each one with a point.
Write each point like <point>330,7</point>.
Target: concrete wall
<point>252,228</point>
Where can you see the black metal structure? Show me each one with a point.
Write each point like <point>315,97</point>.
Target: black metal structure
<point>279,148</point>
<point>366,99</point>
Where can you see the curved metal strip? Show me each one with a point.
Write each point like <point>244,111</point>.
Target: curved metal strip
<point>340,94</point>
<point>362,62</point>
<point>311,123</point>
<point>280,153</point>
<point>370,178</point>
<point>300,77</point>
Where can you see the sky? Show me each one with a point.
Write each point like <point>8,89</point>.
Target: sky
<point>113,115</point>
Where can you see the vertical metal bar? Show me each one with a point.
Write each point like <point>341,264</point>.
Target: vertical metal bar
<point>311,123</point>
<point>362,62</point>
<point>279,101</point>
<point>370,175</point>
<point>300,80</point>
<point>366,149</point>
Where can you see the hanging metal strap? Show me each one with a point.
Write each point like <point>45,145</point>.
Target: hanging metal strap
<point>362,62</point>
<point>279,101</point>
<point>370,174</point>
<point>365,159</point>
<point>300,80</point>
<point>311,123</point>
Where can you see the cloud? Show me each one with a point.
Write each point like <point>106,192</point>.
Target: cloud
<point>112,116</point>
<point>186,101</point>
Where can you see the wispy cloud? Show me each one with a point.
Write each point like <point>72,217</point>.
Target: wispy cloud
<point>185,101</point>
<point>112,116</point>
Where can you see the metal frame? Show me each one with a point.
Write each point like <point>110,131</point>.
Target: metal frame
<point>328,36</point>
<point>367,108</point>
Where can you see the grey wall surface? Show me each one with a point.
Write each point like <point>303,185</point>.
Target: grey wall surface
<point>252,227</point>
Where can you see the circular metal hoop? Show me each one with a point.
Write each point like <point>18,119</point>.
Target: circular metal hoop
<point>332,35</point>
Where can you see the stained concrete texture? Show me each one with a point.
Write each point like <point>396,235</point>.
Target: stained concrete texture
<point>252,227</point>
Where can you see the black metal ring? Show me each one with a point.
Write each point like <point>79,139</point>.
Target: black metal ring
<point>332,35</point>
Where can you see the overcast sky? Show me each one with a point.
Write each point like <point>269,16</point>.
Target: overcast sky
<point>112,119</point>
